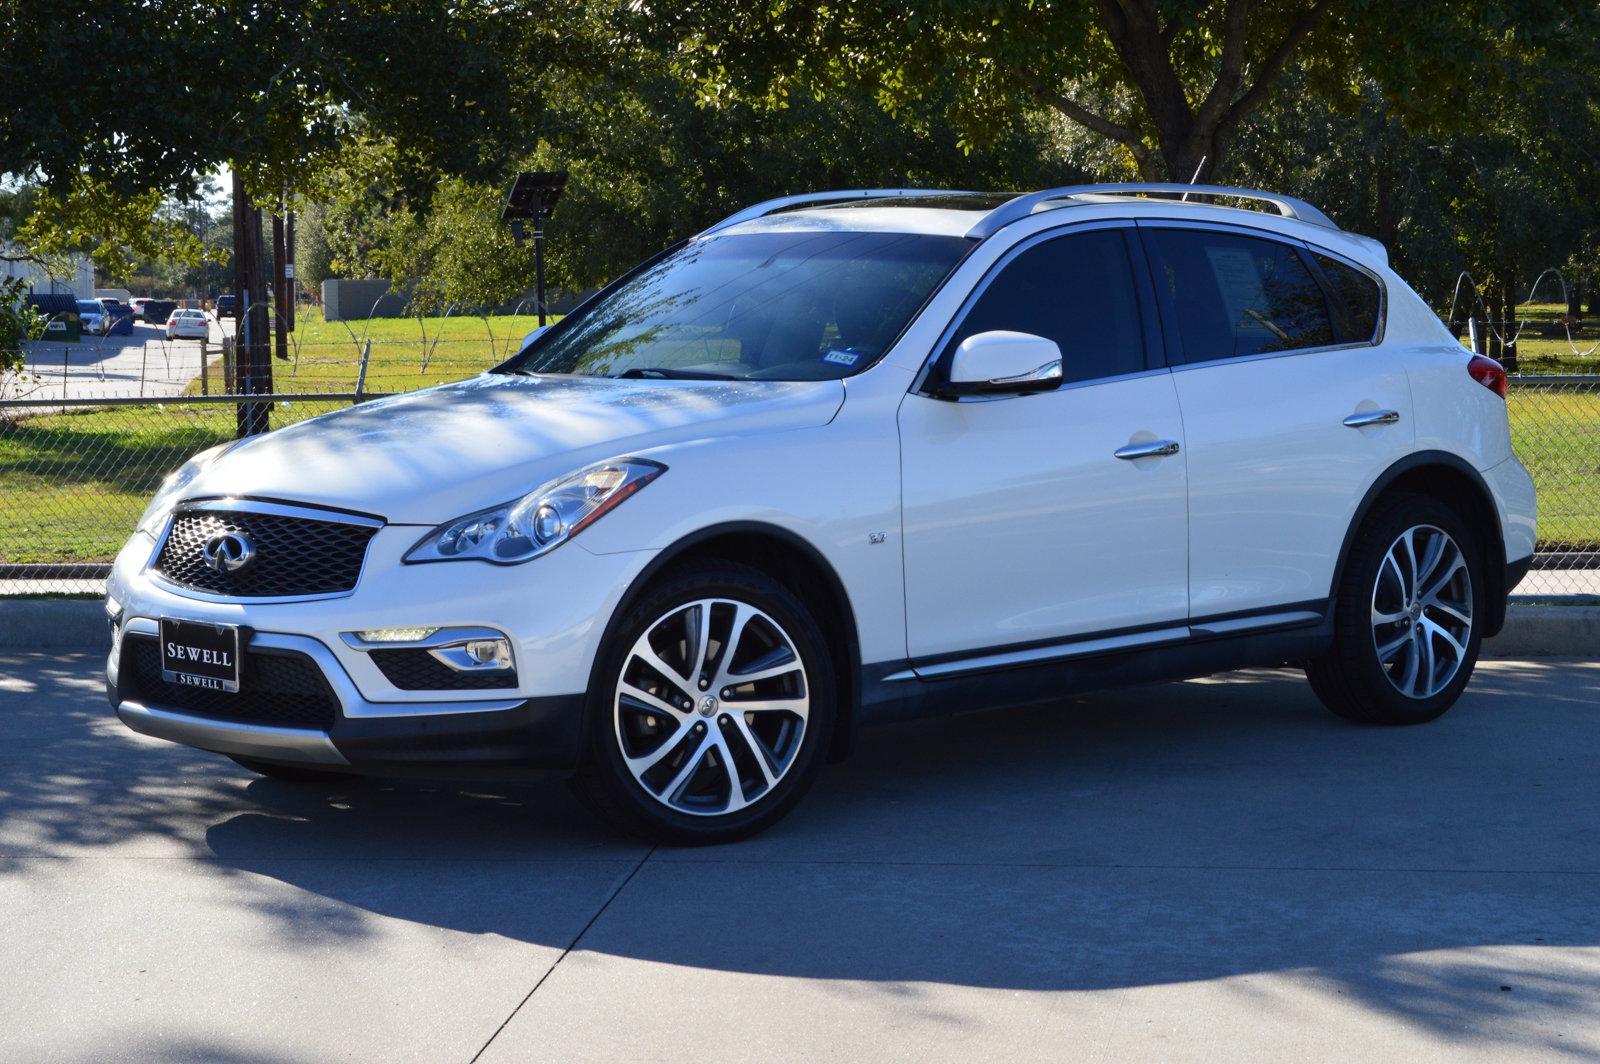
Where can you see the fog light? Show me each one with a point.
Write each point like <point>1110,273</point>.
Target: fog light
<point>394,635</point>
<point>490,653</point>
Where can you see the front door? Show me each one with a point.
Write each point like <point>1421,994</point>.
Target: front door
<point>1022,525</point>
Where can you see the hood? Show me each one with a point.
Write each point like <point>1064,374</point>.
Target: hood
<point>425,457</point>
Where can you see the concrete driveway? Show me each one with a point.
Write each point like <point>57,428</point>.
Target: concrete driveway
<point>1216,870</point>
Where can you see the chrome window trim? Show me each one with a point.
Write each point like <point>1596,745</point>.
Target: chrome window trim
<point>272,508</point>
<point>919,384</point>
<point>1258,233</point>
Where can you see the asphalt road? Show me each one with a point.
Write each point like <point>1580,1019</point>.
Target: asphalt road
<point>1210,871</point>
<point>144,362</point>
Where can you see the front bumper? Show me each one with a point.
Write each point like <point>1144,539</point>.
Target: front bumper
<point>554,610</point>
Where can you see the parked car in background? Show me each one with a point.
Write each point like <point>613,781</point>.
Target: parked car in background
<point>843,459</point>
<point>188,325</point>
<point>138,304</point>
<point>91,317</point>
<point>226,307</point>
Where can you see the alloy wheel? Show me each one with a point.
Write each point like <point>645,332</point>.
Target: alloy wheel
<point>711,707</point>
<point>1422,611</point>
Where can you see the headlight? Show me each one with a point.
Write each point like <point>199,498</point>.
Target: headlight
<point>180,478</point>
<point>540,521</point>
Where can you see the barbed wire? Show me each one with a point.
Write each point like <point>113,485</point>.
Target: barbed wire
<point>1565,321</point>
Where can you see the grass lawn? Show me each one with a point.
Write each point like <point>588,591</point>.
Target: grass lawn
<point>72,485</point>
<point>407,353</point>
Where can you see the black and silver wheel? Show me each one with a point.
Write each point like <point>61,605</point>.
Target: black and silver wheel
<point>1406,635</point>
<point>711,706</point>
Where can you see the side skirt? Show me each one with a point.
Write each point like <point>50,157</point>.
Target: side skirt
<point>895,691</point>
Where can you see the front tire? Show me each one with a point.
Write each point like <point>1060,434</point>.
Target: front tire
<point>1407,618</point>
<point>711,706</point>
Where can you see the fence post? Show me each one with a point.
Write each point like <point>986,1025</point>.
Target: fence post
<point>361,374</point>
<point>144,362</point>
<point>227,365</point>
<point>64,367</point>
<point>205,376</point>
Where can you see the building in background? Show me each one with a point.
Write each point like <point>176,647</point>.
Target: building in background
<point>76,278</point>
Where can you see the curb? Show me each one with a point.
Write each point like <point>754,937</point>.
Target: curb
<point>1547,631</point>
<point>1531,631</point>
<point>47,624</point>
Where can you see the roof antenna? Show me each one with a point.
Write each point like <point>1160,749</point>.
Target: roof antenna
<point>1198,167</point>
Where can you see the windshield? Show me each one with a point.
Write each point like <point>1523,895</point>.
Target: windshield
<point>795,306</point>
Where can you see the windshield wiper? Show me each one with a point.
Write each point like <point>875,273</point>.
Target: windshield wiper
<point>668,373</point>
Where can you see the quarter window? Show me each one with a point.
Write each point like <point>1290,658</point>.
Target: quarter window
<point>1237,295</point>
<point>1359,295</point>
<point>1076,290</point>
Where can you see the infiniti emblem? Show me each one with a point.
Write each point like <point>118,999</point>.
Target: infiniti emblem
<point>228,552</point>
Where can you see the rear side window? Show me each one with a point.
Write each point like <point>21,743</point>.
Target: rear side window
<point>1359,296</point>
<point>1076,290</point>
<point>1238,295</point>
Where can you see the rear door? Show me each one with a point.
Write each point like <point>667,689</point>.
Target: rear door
<point>1291,409</point>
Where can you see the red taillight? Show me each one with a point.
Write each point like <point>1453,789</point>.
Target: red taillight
<point>1489,373</point>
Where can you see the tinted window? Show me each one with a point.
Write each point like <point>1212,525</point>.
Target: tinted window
<point>1076,290</point>
<point>1236,295</point>
<point>1358,294</point>
<point>803,305</point>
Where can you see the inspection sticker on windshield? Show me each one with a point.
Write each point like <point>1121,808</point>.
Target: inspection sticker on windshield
<point>842,358</point>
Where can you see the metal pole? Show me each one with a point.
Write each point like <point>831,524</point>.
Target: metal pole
<point>538,264</point>
<point>361,374</point>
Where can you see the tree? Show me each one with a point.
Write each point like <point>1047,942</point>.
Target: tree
<point>313,257</point>
<point>1171,82</point>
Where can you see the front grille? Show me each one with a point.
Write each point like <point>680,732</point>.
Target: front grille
<point>294,555</point>
<point>281,687</point>
<point>411,669</point>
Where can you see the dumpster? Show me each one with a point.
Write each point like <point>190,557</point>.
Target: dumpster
<point>63,327</point>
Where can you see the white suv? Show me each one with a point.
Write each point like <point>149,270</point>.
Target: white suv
<point>843,459</point>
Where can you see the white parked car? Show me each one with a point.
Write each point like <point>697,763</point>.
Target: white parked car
<point>844,459</point>
<point>92,317</point>
<point>188,325</point>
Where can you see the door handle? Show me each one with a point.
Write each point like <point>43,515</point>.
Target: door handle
<point>1153,449</point>
<point>1372,417</point>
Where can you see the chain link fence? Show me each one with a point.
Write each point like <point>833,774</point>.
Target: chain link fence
<point>1555,430</point>
<point>76,472</point>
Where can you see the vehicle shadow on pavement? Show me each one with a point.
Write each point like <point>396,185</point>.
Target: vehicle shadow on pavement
<point>1443,876</point>
<point>1169,834</point>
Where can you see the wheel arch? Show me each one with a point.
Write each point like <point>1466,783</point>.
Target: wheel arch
<point>798,565</point>
<point>1453,481</point>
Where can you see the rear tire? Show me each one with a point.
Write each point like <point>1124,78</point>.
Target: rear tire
<point>291,773</point>
<point>1407,617</point>
<point>711,708</point>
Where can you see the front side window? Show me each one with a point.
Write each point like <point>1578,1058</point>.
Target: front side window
<point>1238,295</point>
<point>792,306</point>
<point>1076,290</point>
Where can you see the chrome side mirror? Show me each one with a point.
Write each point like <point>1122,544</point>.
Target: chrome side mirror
<point>1002,361</point>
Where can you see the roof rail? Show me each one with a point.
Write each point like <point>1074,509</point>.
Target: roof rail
<point>1023,206</point>
<point>807,199</point>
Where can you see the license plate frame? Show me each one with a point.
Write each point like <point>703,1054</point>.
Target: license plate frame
<point>200,654</point>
